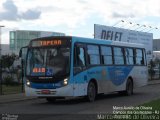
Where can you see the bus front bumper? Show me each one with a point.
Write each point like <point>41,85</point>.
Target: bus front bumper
<point>65,91</point>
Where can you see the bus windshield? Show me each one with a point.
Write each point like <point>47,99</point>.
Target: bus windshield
<point>48,61</point>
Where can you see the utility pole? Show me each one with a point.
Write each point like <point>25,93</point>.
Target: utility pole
<point>1,62</point>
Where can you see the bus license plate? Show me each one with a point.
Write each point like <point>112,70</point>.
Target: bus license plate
<point>45,92</point>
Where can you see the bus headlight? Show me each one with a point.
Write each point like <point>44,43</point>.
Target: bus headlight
<point>65,81</point>
<point>28,83</point>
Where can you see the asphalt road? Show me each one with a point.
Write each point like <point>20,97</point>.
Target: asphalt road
<point>40,109</point>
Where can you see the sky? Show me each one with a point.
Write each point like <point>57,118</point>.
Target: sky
<point>77,17</point>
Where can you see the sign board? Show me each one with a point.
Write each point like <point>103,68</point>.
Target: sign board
<point>39,43</point>
<point>49,42</point>
<point>125,35</point>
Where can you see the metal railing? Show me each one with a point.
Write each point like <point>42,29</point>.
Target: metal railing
<point>11,77</point>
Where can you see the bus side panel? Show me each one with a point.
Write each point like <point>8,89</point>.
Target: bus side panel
<point>108,78</point>
<point>116,78</point>
<point>82,79</point>
<point>139,75</point>
<point>80,84</point>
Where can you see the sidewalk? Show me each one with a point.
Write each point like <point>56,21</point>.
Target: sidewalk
<point>22,97</point>
<point>152,82</point>
<point>14,98</point>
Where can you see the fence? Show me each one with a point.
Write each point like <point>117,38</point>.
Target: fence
<point>10,75</point>
<point>154,70</point>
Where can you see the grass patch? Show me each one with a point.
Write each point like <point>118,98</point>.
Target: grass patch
<point>155,104</point>
<point>11,89</point>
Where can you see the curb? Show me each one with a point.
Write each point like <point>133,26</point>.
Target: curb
<point>153,82</point>
<point>14,98</point>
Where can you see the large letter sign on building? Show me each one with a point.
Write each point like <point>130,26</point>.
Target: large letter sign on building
<point>125,35</point>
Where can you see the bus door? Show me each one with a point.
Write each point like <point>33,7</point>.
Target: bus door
<point>80,74</point>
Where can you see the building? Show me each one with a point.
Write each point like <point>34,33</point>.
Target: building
<point>6,49</point>
<point>156,49</point>
<point>21,38</point>
<point>156,45</point>
<point>125,35</point>
<point>156,55</point>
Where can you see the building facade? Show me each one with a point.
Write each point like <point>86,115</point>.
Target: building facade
<point>156,45</point>
<point>21,38</point>
<point>156,55</point>
<point>6,49</point>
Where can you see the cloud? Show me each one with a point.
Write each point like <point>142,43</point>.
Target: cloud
<point>31,15</point>
<point>121,15</point>
<point>11,13</point>
<point>75,17</point>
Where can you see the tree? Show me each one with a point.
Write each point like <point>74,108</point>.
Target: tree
<point>7,60</point>
<point>151,70</point>
<point>157,61</point>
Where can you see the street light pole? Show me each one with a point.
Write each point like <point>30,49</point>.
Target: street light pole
<point>1,62</point>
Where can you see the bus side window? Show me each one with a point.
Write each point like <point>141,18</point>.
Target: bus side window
<point>144,57</point>
<point>106,53</point>
<point>118,56</point>
<point>93,54</point>
<point>139,57</point>
<point>129,56</point>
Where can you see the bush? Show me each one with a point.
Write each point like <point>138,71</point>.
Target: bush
<point>9,80</point>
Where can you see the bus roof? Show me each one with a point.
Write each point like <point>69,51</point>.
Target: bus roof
<point>92,40</point>
<point>107,42</point>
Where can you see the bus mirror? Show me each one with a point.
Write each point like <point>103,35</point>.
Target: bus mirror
<point>20,53</point>
<point>22,50</point>
<point>22,63</point>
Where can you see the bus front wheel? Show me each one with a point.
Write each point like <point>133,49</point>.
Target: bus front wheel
<point>91,92</point>
<point>129,87</point>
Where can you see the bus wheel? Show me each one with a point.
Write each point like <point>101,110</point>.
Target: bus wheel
<point>91,92</point>
<point>129,87</point>
<point>50,99</point>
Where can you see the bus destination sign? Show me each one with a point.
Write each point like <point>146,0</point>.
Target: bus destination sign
<point>40,43</point>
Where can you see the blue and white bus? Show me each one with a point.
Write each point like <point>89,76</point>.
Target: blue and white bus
<point>66,66</point>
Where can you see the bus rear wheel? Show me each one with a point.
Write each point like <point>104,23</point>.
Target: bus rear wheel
<point>129,87</point>
<point>91,92</point>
